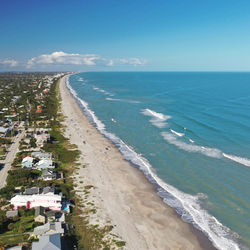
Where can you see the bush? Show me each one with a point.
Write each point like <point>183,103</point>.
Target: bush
<point>11,226</point>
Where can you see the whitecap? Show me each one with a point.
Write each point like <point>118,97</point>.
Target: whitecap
<point>211,152</point>
<point>121,100</point>
<point>177,133</point>
<point>241,160</point>
<point>158,119</point>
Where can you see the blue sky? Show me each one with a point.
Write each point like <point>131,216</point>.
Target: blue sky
<point>176,35</point>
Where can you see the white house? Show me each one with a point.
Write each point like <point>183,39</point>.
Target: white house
<point>45,164</point>
<point>27,162</point>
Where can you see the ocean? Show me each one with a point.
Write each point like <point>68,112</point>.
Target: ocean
<point>190,135</point>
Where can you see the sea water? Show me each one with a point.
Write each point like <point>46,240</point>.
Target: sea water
<point>190,135</point>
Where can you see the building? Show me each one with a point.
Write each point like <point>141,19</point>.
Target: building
<point>40,215</point>
<point>42,155</point>
<point>45,164</point>
<point>41,137</point>
<point>48,242</point>
<point>11,214</point>
<point>48,175</point>
<point>50,201</point>
<point>4,131</point>
<point>48,190</point>
<point>48,229</point>
<point>27,162</point>
<point>33,190</point>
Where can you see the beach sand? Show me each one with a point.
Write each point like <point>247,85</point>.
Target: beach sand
<point>122,194</point>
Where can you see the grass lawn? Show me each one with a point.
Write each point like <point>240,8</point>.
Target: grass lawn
<point>2,152</point>
<point>11,239</point>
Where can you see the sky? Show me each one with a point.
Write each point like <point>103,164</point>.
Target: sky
<point>125,35</point>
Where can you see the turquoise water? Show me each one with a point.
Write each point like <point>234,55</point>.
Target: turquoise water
<point>189,133</point>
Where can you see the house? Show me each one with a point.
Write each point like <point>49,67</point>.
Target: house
<point>45,164</point>
<point>4,131</point>
<point>50,201</point>
<point>40,215</point>
<point>49,190</point>
<point>47,229</point>
<point>42,155</point>
<point>33,190</point>
<point>48,242</point>
<point>38,111</point>
<point>11,214</point>
<point>48,175</point>
<point>27,162</point>
<point>41,137</point>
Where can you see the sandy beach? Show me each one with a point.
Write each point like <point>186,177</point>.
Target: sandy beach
<point>122,194</point>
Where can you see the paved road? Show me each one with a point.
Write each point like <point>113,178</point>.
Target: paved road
<point>9,158</point>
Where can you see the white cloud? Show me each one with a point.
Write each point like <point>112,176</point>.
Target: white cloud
<point>133,61</point>
<point>9,62</point>
<point>61,57</point>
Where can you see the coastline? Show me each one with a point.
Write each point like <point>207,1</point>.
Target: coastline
<point>122,194</point>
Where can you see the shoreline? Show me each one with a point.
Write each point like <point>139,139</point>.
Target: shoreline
<point>146,221</point>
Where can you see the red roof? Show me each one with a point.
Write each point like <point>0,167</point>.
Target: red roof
<point>39,111</point>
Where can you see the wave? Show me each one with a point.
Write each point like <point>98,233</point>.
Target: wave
<point>113,120</point>
<point>188,206</point>
<point>102,91</point>
<point>121,100</point>
<point>238,159</point>
<point>177,133</point>
<point>211,152</point>
<point>158,119</point>
<point>80,79</point>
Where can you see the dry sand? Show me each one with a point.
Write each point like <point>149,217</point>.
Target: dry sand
<point>122,194</point>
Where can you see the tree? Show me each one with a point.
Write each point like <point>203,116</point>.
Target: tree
<point>33,142</point>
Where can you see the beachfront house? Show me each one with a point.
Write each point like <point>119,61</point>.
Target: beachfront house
<point>47,229</point>
<point>27,162</point>
<point>49,190</point>
<point>50,201</point>
<point>45,164</point>
<point>42,155</point>
<point>48,242</point>
<point>48,175</point>
<point>33,190</point>
<point>40,215</point>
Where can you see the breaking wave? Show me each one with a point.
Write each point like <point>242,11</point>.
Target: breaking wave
<point>102,91</point>
<point>121,100</point>
<point>238,159</point>
<point>158,119</point>
<point>177,133</point>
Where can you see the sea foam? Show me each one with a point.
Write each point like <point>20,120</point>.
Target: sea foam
<point>121,100</point>
<point>102,91</point>
<point>188,206</point>
<point>158,119</point>
<point>211,152</point>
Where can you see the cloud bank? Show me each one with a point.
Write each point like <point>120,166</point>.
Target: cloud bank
<point>9,62</point>
<point>60,58</point>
